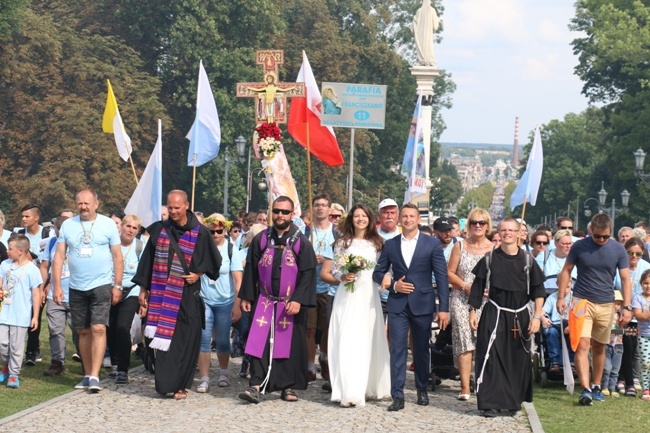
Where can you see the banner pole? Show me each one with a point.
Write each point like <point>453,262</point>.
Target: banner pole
<point>193,181</point>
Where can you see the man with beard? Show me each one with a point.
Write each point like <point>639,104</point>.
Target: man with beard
<point>179,251</point>
<point>280,273</point>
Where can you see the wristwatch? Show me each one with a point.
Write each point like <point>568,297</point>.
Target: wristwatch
<point>628,307</point>
<point>117,286</point>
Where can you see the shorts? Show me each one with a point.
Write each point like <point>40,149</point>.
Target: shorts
<point>90,307</point>
<point>598,321</point>
<point>317,317</point>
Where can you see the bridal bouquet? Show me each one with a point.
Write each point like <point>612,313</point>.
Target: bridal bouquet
<point>352,264</point>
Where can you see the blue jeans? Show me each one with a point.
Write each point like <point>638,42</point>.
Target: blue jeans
<point>613,358</point>
<point>554,344</point>
<point>217,317</point>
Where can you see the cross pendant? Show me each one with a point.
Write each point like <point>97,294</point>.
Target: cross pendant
<point>514,331</point>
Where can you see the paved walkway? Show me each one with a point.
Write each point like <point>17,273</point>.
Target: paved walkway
<point>136,407</point>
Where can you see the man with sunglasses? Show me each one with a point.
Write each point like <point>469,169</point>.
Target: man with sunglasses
<point>279,284</point>
<point>597,260</point>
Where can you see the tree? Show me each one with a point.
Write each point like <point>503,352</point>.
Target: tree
<point>478,197</point>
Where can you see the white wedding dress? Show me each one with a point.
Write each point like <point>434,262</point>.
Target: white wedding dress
<point>358,349</point>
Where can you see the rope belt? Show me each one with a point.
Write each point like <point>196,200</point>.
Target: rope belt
<point>493,337</point>
<point>271,341</point>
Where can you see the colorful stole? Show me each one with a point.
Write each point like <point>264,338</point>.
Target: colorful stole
<point>167,288</point>
<point>274,320</point>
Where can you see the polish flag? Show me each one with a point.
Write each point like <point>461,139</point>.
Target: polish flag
<point>303,111</point>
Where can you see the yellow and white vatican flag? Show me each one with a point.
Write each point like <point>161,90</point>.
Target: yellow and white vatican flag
<point>112,122</point>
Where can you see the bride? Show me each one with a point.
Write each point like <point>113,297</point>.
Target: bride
<point>358,349</point>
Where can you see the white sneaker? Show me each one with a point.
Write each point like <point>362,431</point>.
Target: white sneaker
<point>204,386</point>
<point>106,363</point>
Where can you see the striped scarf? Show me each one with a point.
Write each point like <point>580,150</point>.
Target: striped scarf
<point>167,288</point>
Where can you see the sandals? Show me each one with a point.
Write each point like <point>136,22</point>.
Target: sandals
<point>223,381</point>
<point>288,395</point>
<point>181,394</point>
<point>251,395</point>
<point>463,397</point>
<point>203,387</point>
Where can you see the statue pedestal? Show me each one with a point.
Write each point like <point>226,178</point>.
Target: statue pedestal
<point>425,77</point>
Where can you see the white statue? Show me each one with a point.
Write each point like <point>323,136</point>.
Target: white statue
<point>425,23</point>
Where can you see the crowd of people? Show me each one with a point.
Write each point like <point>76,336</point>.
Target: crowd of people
<point>350,293</point>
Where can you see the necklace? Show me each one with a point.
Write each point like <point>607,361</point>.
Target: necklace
<point>15,281</point>
<point>86,238</point>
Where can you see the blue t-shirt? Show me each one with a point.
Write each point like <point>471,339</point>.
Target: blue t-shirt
<point>597,266</point>
<point>48,256</point>
<point>221,291</point>
<point>19,282</point>
<point>36,243</point>
<point>322,242</point>
<point>639,301</point>
<point>551,311</point>
<point>89,251</point>
<point>131,262</point>
<point>447,252</point>
<point>384,295</point>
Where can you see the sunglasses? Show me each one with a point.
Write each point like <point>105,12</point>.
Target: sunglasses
<point>335,216</point>
<point>602,236</point>
<point>218,231</point>
<point>478,223</point>
<point>235,231</point>
<point>634,253</point>
<point>541,243</point>
<point>566,228</point>
<point>282,211</point>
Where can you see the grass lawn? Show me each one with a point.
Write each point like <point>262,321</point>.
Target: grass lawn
<point>36,388</point>
<point>559,412</point>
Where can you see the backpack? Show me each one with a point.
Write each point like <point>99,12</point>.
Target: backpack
<point>267,233</point>
<point>529,264</point>
<point>45,233</point>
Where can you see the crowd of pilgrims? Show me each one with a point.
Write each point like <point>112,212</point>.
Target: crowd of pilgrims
<point>352,370</point>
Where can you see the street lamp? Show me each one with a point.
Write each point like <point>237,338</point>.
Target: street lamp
<point>240,145</point>
<point>639,160</point>
<point>612,210</point>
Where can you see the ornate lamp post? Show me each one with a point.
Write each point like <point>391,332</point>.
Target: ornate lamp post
<point>639,160</point>
<point>612,210</point>
<point>240,145</point>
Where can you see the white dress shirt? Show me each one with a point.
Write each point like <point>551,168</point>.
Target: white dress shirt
<point>408,248</point>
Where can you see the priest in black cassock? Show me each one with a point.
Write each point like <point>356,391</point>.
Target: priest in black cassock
<point>279,284</point>
<point>506,328</point>
<point>169,292</point>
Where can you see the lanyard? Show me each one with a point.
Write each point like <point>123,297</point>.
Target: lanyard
<point>17,280</point>
<point>86,238</point>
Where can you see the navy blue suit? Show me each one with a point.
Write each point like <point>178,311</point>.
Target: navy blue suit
<point>415,309</point>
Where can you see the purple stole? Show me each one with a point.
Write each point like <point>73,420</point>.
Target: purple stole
<point>270,311</point>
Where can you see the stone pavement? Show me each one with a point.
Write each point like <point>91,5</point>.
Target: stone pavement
<point>136,407</point>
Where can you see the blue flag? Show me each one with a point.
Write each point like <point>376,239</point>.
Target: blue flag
<point>205,135</point>
<point>528,185</point>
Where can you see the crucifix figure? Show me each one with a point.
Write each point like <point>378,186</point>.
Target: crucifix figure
<point>270,95</point>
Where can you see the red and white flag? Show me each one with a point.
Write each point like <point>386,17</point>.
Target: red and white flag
<point>322,144</point>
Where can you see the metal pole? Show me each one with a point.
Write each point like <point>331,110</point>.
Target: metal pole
<point>225,187</point>
<point>248,181</point>
<point>350,183</point>
<point>575,228</point>
<point>613,214</point>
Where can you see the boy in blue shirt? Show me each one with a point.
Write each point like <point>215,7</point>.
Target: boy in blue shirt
<point>21,281</point>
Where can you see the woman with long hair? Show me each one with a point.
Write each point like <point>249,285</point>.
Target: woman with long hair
<point>358,349</point>
<point>465,255</point>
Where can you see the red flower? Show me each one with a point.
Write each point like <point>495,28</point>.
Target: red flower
<point>266,130</point>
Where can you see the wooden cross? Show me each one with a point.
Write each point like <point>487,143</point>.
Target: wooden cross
<point>262,321</point>
<point>271,95</point>
<point>285,323</point>
<point>515,330</point>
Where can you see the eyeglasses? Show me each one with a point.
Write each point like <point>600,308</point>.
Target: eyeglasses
<point>605,237</point>
<point>282,211</point>
<point>634,253</point>
<point>541,243</point>
<point>217,231</point>
<point>335,217</point>
<point>566,228</point>
<point>477,223</point>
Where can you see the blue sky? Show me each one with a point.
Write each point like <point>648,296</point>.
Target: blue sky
<point>508,58</point>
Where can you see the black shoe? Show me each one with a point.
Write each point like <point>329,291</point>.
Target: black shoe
<point>243,371</point>
<point>30,359</point>
<point>398,404</point>
<point>489,413</point>
<point>327,386</point>
<point>423,398</point>
<point>38,357</point>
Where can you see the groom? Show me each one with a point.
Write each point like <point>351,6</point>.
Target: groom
<point>411,301</point>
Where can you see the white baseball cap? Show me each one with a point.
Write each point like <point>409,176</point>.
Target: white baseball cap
<point>387,202</point>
